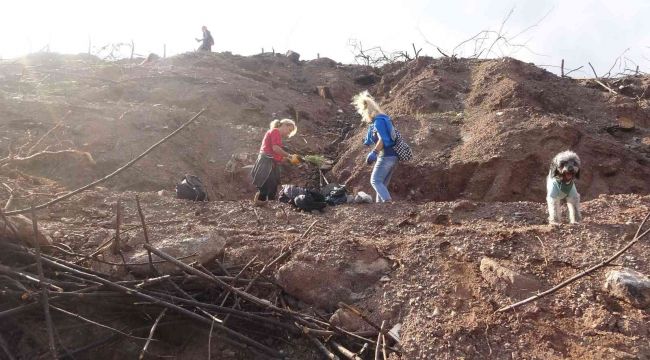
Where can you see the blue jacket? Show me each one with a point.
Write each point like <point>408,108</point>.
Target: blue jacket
<point>381,127</point>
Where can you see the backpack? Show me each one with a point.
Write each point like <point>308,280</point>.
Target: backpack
<point>289,192</point>
<point>310,201</point>
<point>191,188</point>
<point>335,194</point>
<point>403,150</point>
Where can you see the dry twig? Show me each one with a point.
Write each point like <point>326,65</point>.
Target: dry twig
<point>152,331</point>
<point>44,296</point>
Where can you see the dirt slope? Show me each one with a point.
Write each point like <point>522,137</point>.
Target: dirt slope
<point>487,130</point>
<point>116,110</point>
<point>483,133</point>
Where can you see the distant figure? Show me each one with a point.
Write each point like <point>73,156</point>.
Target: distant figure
<point>207,40</point>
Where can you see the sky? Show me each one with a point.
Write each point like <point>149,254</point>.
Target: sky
<point>540,31</point>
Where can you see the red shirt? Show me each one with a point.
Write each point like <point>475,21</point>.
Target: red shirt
<point>272,137</point>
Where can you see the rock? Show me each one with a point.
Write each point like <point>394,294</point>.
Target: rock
<point>508,280</point>
<point>629,285</point>
<point>96,239</point>
<point>463,205</point>
<point>24,231</point>
<point>348,321</point>
<point>204,249</point>
<point>293,56</point>
<point>328,281</point>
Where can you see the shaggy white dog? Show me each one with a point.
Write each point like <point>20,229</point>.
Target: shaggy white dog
<point>560,185</point>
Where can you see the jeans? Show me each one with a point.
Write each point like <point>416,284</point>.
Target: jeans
<point>381,175</point>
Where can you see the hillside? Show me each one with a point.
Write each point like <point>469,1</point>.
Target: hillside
<point>466,236</point>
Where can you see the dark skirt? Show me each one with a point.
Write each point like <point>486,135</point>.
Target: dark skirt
<point>262,169</point>
<point>266,177</point>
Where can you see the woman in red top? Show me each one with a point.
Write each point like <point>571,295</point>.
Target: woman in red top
<point>266,172</point>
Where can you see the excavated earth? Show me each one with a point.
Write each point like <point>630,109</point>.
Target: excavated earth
<point>466,236</point>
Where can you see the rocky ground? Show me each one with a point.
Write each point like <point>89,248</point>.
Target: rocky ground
<point>467,236</point>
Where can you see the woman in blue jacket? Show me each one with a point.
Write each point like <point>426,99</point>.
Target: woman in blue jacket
<point>381,136</point>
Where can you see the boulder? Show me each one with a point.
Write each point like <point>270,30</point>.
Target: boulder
<point>20,229</point>
<point>202,249</point>
<point>509,281</point>
<point>328,281</point>
<point>629,285</point>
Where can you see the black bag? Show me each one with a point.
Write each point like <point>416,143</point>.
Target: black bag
<point>191,188</point>
<point>310,201</point>
<point>289,192</point>
<point>335,194</point>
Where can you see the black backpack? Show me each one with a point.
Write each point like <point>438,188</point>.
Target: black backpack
<point>191,188</point>
<point>312,200</point>
<point>335,194</point>
<point>289,192</point>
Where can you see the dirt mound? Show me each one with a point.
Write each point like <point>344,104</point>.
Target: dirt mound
<point>487,130</point>
<point>481,130</point>
<point>116,110</point>
<point>400,263</point>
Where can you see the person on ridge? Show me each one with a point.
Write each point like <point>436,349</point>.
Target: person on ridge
<point>207,40</point>
<point>266,171</point>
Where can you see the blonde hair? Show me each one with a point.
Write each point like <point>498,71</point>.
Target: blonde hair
<point>277,123</point>
<point>366,106</point>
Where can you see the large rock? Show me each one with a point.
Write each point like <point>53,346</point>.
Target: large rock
<point>201,249</point>
<point>629,285</point>
<point>507,280</point>
<point>20,229</point>
<point>327,281</point>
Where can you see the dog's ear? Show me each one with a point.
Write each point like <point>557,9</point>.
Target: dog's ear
<point>577,175</point>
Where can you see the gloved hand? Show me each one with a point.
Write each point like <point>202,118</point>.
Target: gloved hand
<point>372,157</point>
<point>294,159</point>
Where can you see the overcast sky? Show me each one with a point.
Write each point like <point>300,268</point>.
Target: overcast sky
<point>575,30</point>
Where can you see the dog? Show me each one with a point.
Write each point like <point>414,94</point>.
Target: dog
<point>560,185</point>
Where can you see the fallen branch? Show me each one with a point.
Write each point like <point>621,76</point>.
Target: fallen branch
<point>111,175</point>
<point>77,316</point>
<point>145,233</point>
<point>605,86</point>
<point>153,330</point>
<point>308,229</point>
<point>378,345</point>
<point>44,296</point>
<point>344,351</point>
<point>187,313</point>
<point>326,352</point>
<point>38,142</point>
<point>602,264</point>
<point>21,274</point>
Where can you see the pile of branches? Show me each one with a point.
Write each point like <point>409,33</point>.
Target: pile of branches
<point>241,306</point>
